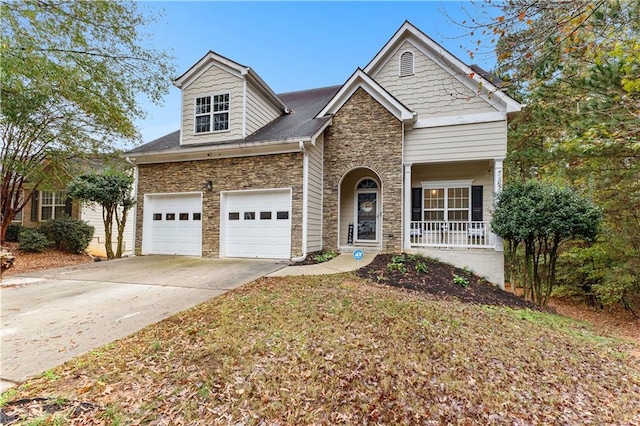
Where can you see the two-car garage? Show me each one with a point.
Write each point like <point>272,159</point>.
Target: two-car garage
<point>254,224</point>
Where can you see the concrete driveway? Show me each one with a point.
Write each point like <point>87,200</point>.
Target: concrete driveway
<point>51,316</point>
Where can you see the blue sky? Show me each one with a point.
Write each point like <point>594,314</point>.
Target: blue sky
<point>293,45</point>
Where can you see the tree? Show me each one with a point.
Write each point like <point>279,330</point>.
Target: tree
<point>112,190</point>
<point>70,77</point>
<point>542,216</point>
<point>576,65</point>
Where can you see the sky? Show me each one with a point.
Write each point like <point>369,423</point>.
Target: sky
<point>292,45</point>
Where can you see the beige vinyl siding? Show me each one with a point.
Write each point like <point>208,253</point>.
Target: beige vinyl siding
<point>480,171</point>
<point>259,111</point>
<point>214,81</point>
<point>454,143</point>
<point>96,247</point>
<point>431,91</point>
<point>314,221</point>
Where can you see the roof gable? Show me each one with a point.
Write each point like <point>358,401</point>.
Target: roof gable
<point>360,79</point>
<point>212,59</point>
<point>474,80</point>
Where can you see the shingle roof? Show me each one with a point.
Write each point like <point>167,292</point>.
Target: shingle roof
<point>299,123</point>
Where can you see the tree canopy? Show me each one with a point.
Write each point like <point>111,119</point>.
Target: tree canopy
<point>112,190</point>
<point>576,66</point>
<point>543,216</point>
<point>71,77</point>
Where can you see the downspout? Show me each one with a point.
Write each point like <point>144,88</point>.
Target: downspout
<point>305,203</point>
<point>135,215</point>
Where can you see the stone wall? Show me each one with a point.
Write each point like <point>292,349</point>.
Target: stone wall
<point>364,134</point>
<point>227,174</point>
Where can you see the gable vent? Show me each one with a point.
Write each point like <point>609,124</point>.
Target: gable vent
<point>406,64</point>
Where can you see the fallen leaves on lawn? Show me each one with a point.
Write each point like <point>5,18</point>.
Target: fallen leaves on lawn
<point>333,350</point>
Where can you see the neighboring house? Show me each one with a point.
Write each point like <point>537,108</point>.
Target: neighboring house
<point>405,156</point>
<point>45,205</point>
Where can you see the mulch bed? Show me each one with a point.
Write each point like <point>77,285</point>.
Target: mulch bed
<point>439,281</point>
<point>50,258</point>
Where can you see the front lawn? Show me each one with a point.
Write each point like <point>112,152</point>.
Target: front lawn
<point>336,350</point>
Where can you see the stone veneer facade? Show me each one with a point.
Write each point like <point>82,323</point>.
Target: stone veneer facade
<point>364,134</point>
<point>227,174</point>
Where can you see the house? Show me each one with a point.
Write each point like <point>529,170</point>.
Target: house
<point>53,202</point>
<point>406,155</point>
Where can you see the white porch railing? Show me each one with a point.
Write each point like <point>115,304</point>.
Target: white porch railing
<point>452,234</point>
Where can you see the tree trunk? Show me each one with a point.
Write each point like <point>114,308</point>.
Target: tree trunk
<point>107,218</point>
<point>121,222</point>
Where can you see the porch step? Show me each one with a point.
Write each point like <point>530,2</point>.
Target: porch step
<point>365,249</point>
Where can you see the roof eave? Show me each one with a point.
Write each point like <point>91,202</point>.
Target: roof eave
<point>218,151</point>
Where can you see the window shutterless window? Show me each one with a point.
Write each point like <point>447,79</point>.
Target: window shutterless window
<point>212,113</point>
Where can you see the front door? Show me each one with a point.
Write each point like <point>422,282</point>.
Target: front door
<point>367,216</point>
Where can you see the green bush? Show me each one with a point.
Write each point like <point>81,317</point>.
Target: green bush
<point>13,231</point>
<point>32,240</point>
<point>67,233</point>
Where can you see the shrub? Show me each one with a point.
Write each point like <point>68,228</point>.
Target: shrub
<point>461,281</point>
<point>325,256</point>
<point>13,231</point>
<point>67,233</point>
<point>32,240</point>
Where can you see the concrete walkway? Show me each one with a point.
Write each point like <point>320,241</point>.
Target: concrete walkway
<point>342,263</point>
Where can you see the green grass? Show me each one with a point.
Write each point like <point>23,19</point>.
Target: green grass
<point>330,350</point>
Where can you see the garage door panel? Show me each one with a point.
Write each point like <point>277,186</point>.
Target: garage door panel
<point>176,227</point>
<point>257,232</point>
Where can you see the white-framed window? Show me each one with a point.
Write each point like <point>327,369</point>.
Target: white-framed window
<point>406,65</point>
<point>17,218</point>
<point>447,201</point>
<point>212,113</point>
<point>52,204</point>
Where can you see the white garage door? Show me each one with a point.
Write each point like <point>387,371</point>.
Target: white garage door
<point>258,224</point>
<point>175,224</point>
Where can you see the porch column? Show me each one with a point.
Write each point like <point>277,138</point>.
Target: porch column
<point>406,221</point>
<point>497,188</point>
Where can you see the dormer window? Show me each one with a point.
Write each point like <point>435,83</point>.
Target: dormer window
<point>212,113</point>
<point>406,64</point>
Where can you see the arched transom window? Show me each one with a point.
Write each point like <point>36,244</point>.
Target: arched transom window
<point>367,184</point>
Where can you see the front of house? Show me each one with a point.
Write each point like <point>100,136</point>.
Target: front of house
<point>406,155</point>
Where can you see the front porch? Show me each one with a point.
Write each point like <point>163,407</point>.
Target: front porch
<point>452,234</point>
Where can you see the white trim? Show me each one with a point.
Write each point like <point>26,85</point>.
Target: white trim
<point>204,64</point>
<point>147,216</point>
<point>407,210</point>
<point>454,120</point>
<point>244,108</point>
<point>213,59</point>
<point>211,114</point>
<point>357,191</point>
<point>182,116</point>
<point>222,238</point>
<point>305,206</point>
<point>361,79</point>
<point>207,152</point>
<point>135,206</point>
<point>447,61</point>
<point>413,63</point>
<point>446,183</point>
